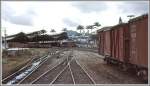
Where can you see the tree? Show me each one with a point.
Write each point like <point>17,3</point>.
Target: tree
<point>42,31</point>
<point>80,27</point>
<point>89,27</point>
<point>96,24</point>
<point>64,29</point>
<point>52,30</point>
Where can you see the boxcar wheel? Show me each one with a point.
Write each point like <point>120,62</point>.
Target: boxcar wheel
<point>123,67</point>
<point>143,74</point>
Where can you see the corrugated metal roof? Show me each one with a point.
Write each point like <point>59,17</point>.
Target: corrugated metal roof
<point>138,18</point>
<point>105,28</point>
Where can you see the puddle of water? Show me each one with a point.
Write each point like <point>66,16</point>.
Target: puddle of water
<point>23,74</point>
<point>56,51</point>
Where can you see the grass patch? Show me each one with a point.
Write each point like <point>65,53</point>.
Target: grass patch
<point>13,63</point>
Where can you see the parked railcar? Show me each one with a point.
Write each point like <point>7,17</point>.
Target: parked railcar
<point>119,44</point>
<point>126,44</point>
<point>139,44</point>
<point>107,41</point>
<point>101,41</point>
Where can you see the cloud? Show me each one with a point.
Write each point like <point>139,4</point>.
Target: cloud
<point>58,15</point>
<point>90,6</point>
<point>136,7</point>
<point>69,22</point>
<point>9,14</point>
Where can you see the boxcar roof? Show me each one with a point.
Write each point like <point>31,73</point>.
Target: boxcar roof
<point>138,18</point>
<point>104,28</point>
<point>119,25</point>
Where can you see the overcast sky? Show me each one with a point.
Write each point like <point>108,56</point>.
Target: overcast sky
<point>28,16</point>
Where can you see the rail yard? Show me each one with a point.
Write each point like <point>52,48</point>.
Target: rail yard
<point>70,66</point>
<point>115,54</point>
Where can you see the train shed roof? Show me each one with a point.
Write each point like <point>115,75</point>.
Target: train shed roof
<point>22,37</point>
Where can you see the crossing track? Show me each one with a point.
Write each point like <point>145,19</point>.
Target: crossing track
<point>67,71</point>
<point>73,74</point>
<point>52,74</point>
<point>65,76</point>
<point>45,66</point>
<point>80,75</point>
<point>12,76</point>
<point>23,69</point>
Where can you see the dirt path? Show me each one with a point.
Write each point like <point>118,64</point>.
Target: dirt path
<point>103,73</point>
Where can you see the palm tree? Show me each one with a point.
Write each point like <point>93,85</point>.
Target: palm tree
<point>89,27</point>
<point>42,31</point>
<point>80,27</point>
<point>96,24</point>
<point>64,29</point>
<point>52,31</point>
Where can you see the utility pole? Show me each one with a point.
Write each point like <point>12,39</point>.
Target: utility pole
<point>120,20</point>
<point>5,42</point>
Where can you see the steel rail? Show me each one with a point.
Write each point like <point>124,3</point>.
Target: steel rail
<point>71,74</point>
<point>32,71</point>
<point>60,72</point>
<point>71,71</point>
<point>52,54</point>
<point>46,72</point>
<point>15,72</point>
<point>26,66</point>
<point>43,58</point>
<point>18,70</point>
<point>85,72</point>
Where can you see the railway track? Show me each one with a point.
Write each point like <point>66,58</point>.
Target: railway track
<point>67,71</point>
<point>79,74</point>
<point>50,75</point>
<point>18,75</point>
<point>25,71</point>
<point>28,63</point>
<point>73,73</point>
<point>46,66</point>
<point>65,76</point>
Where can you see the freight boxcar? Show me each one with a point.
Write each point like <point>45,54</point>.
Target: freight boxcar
<point>139,44</point>
<point>107,41</point>
<point>126,44</point>
<point>101,41</point>
<point>119,44</point>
